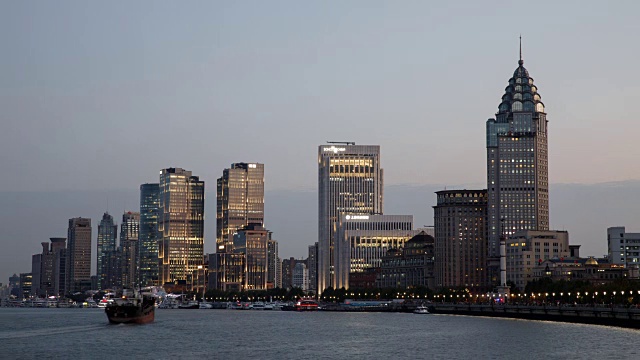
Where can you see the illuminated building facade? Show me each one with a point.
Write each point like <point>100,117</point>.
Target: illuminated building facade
<point>180,225</point>
<point>226,271</point>
<point>517,164</point>
<point>350,180</point>
<point>129,234</point>
<point>240,200</point>
<point>460,219</point>
<point>252,241</point>
<point>107,238</point>
<point>148,244</point>
<point>362,241</point>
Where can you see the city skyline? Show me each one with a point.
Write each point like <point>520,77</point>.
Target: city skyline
<point>384,75</point>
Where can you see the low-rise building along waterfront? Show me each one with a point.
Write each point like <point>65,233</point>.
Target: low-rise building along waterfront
<point>362,241</point>
<point>528,248</point>
<point>410,266</point>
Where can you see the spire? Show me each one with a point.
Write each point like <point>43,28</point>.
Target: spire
<point>520,62</point>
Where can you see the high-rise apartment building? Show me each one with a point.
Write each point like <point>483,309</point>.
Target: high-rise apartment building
<point>460,219</point>
<point>78,258</point>
<point>107,242</point>
<point>180,225</point>
<point>362,240</point>
<point>350,181</point>
<point>148,236</point>
<point>517,163</point>
<point>240,200</point>
<point>129,233</point>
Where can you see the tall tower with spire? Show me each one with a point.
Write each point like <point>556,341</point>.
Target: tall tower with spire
<point>517,164</point>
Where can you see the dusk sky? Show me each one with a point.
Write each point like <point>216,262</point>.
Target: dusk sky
<point>98,97</point>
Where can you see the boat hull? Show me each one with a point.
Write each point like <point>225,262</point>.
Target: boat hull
<point>131,314</point>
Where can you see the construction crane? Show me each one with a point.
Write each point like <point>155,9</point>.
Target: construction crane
<point>342,142</point>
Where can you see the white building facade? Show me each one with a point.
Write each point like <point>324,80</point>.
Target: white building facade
<point>623,247</point>
<point>350,181</point>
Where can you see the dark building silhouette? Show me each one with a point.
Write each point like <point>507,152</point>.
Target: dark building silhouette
<point>148,236</point>
<point>460,219</point>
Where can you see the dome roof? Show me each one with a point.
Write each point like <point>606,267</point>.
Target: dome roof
<point>591,261</point>
<point>419,240</point>
<point>521,95</point>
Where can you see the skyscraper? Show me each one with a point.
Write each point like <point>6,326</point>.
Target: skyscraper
<point>240,200</point>
<point>78,258</point>
<point>180,225</point>
<point>129,233</point>
<point>273,263</point>
<point>517,167</point>
<point>148,236</point>
<point>107,237</point>
<point>349,181</point>
<point>460,219</point>
<point>252,241</point>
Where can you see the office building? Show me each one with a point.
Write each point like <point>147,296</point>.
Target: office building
<point>623,247</point>
<point>460,219</point>
<point>148,235</point>
<point>107,242</point>
<point>180,225</point>
<point>288,266</point>
<point>43,268</point>
<point>312,266</point>
<point>274,272</point>
<point>528,248</point>
<point>25,286</point>
<point>240,200</point>
<point>226,271</point>
<point>129,234</point>
<point>362,241</point>
<point>300,276</point>
<point>350,180</point>
<point>251,241</point>
<point>78,259</point>
<point>517,164</point>
<point>59,248</point>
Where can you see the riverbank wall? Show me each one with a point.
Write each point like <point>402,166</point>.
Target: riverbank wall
<point>598,315</point>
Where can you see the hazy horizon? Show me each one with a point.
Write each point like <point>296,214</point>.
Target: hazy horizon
<point>292,215</point>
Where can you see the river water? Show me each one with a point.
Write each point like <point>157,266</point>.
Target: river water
<point>233,334</point>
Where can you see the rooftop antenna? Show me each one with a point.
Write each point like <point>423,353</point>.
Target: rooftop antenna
<point>520,61</point>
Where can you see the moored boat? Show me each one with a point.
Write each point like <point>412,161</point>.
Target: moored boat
<point>421,310</point>
<point>306,305</point>
<point>139,309</point>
